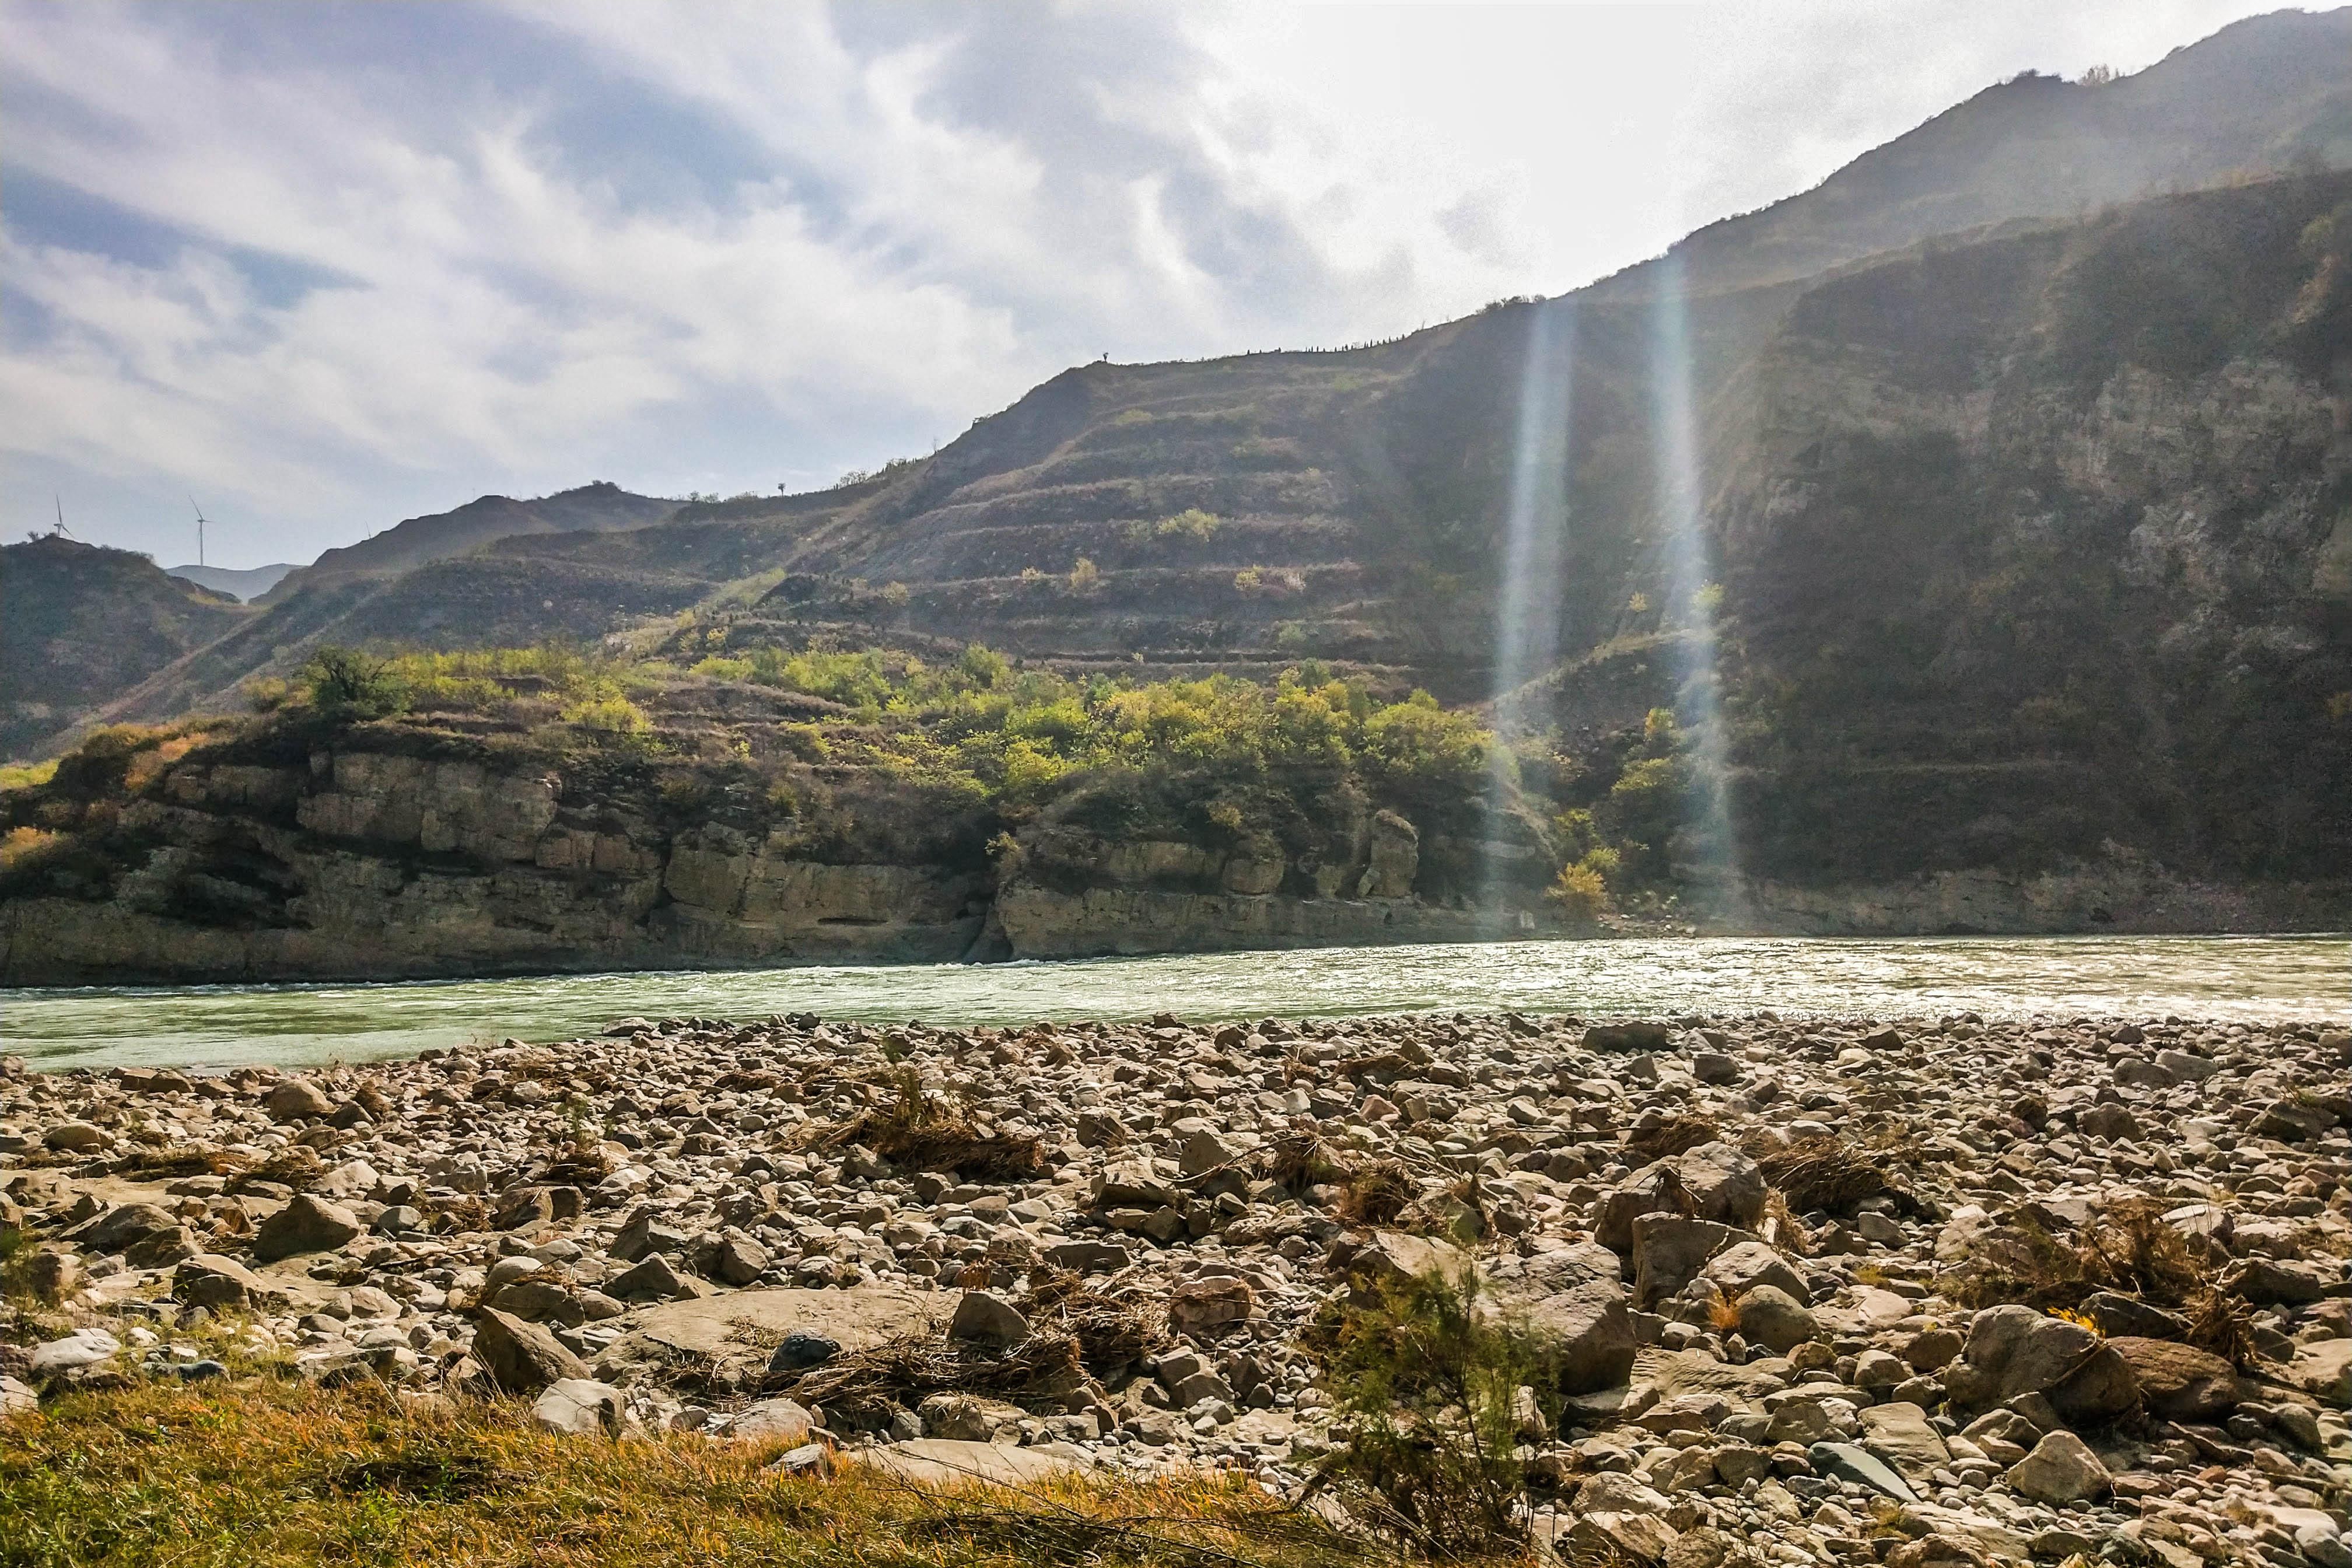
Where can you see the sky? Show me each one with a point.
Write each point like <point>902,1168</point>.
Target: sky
<point>318,267</point>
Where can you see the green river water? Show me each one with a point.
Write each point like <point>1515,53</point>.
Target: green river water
<point>2246,979</point>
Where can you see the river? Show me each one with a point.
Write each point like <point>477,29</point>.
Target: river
<point>2246,979</point>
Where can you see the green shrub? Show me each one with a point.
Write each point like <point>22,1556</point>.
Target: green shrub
<point>1429,1378</point>
<point>1580,891</point>
<point>347,685</point>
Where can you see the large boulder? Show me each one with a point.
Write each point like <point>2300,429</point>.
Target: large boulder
<point>1573,1297</point>
<point>1392,1257</point>
<point>2014,1349</point>
<point>1900,1433</point>
<point>522,1358</point>
<point>220,1283</point>
<point>1713,1182</point>
<point>2180,1382</point>
<point>583,1407</point>
<point>299,1099</point>
<point>1744,1265</point>
<point>306,1223</point>
<point>1670,1251</point>
<point>2062,1469</point>
<point>125,1225</point>
<point>987,1320</point>
<point>1770,1317</point>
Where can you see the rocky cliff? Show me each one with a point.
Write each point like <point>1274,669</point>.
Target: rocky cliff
<point>282,859</point>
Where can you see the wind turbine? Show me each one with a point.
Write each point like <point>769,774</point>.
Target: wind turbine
<point>200,530</point>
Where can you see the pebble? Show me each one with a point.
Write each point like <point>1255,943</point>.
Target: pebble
<point>1751,1362</point>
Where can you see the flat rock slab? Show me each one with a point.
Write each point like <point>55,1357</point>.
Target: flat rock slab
<point>1900,1433</point>
<point>747,1325</point>
<point>948,1461</point>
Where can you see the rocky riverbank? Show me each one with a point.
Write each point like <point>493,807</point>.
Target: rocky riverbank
<point>1921,1291</point>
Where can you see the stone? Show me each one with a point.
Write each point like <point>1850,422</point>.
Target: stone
<point>984,1319</point>
<point>2179,1382</point>
<point>1605,1536</point>
<point>2118,1315</point>
<point>715,1331</point>
<point>220,1284</point>
<point>163,1248</point>
<point>1931,1350</point>
<point>1714,1067</point>
<point>1670,1251</point>
<point>1392,1257</point>
<point>1772,1318</point>
<point>1638,1035</point>
<point>581,1407</point>
<point>306,1223</point>
<point>76,1351</point>
<point>77,1138</point>
<point>2061,1469</point>
<point>1582,1315</point>
<point>739,1261</point>
<point>1087,1257</point>
<point>2293,1121</point>
<point>968,1417</point>
<point>1205,1150</point>
<point>651,1280</point>
<point>2020,1350</point>
<point>124,1226</point>
<point>1744,1265</point>
<point>801,1349</point>
<point>2267,1282</point>
<point>1899,1432</point>
<point>299,1099</point>
<point>773,1421</point>
<point>520,1357</point>
<point>2111,1124</point>
<point>945,1462</point>
<point>1713,1182</point>
<point>1196,1305</point>
<point>17,1398</point>
<point>2324,1370</point>
<point>1851,1462</point>
<point>537,1300</point>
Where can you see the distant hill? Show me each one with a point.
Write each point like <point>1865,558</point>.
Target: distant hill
<point>80,623</point>
<point>419,540</point>
<point>247,584</point>
<point>2024,503</point>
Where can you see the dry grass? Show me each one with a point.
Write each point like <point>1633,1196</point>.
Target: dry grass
<point>1301,1159</point>
<point>1676,1135</point>
<point>274,1475</point>
<point>924,1133</point>
<point>1377,1194</point>
<point>862,1387</point>
<point>2123,1247</point>
<point>1824,1173</point>
<point>1113,1329</point>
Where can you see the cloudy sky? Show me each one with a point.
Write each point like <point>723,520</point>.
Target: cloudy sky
<point>325,266</point>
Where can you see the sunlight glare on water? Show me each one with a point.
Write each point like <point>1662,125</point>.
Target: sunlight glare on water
<point>2248,979</point>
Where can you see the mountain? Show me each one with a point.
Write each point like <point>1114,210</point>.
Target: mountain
<point>80,623</point>
<point>419,540</point>
<point>1997,580</point>
<point>244,586</point>
<point>2269,93</point>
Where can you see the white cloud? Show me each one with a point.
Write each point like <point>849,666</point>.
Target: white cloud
<point>331,267</point>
